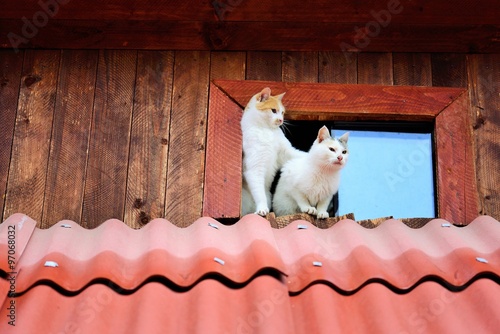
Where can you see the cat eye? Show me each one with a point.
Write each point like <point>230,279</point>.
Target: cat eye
<point>273,110</point>
<point>332,149</point>
<point>344,152</point>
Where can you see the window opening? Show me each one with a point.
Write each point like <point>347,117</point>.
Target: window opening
<point>390,171</point>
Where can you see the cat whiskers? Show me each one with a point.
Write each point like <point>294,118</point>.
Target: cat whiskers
<point>284,127</point>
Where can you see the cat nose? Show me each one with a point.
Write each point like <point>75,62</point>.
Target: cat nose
<point>340,158</point>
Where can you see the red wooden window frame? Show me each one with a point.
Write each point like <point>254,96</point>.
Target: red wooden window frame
<point>447,107</point>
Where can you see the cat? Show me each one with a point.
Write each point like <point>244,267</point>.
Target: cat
<point>308,183</point>
<point>265,150</point>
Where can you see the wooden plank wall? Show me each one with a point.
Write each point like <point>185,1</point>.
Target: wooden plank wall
<point>90,135</point>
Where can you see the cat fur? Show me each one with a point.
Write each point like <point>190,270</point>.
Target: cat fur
<point>265,150</point>
<point>308,183</point>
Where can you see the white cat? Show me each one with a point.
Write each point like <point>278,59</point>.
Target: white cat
<point>308,183</point>
<point>265,150</point>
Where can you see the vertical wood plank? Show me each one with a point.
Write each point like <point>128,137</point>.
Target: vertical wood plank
<point>11,65</point>
<point>222,189</point>
<point>300,66</point>
<point>227,65</point>
<point>106,179</point>
<point>263,65</point>
<point>484,88</point>
<point>147,172</point>
<point>449,70</point>
<point>375,68</point>
<point>412,69</point>
<point>223,176</point>
<point>31,145</point>
<point>186,156</point>
<point>457,191</point>
<point>70,137</point>
<point>338,67</point>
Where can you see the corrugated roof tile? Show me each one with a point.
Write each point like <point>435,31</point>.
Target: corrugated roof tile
<point>249,277</point>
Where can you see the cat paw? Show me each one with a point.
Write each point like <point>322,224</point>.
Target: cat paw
<point>322,215</point>
<point>262,211</point>
<point>310,210</point>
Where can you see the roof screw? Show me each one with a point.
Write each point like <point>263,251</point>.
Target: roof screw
<point>446,225</point>
<point>66,225</point>
<point>52,264</point>
<point>302,227</point>
<point>482,260</point>
<point>219,261</point>
<point>213,225</point>
<point>317,264</point>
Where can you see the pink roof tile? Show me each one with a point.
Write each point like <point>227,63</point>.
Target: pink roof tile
<point>213,278</point>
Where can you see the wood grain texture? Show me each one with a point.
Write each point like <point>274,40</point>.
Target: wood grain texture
<point>253,36</point>
<point>227,65</point>
<point>11,65</point>
<point>310,101</point>
<point>223,178</point>
<point>186,156</point>
<point>448,70</point>
<point>70,137</point>
<point>418,11</point>
<point>106,178</point>
<point>31,145</point>
<point>412,69</point>
<point>484,88</point>
<point>456,178</point>
<point>300,66</point>
<point>338,67</point>
<point>263,65</point>
<point>149,142</point>
<point>375,68</point>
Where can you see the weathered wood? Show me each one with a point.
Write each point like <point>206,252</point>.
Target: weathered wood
<point>70,137</point>
<point>263,65</point>
<point>375,68</point>
<point>456,178</point>
<point>374,222</point>
<point>308,101</point>
<point>186,156</point>
<point>31,145</point>
<point>11,65</point>
<point>484,88</point>
<point>222,191</point>
<point>149,139</point>
<point>415,222</point>
<point>338,67</point>
<point>417,12</point>
<point>283,221</point>
<point>300,67</point>
<point>448,70</point>
<point>227,65</point>
<point>412,69</point>
<point>251,36</point>
<point>106,179</point>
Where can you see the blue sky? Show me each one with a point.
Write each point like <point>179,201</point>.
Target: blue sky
<point>388,174</point>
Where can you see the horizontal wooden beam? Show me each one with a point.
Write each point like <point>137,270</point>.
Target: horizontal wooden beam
<point>355,36</point>
<point>422,12</point>
<point>347,101</point>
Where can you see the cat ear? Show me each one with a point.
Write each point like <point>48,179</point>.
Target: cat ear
<point>264,94</point>
<point>280,97</point>
<point>343,139</point>
<point>323,134</point>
